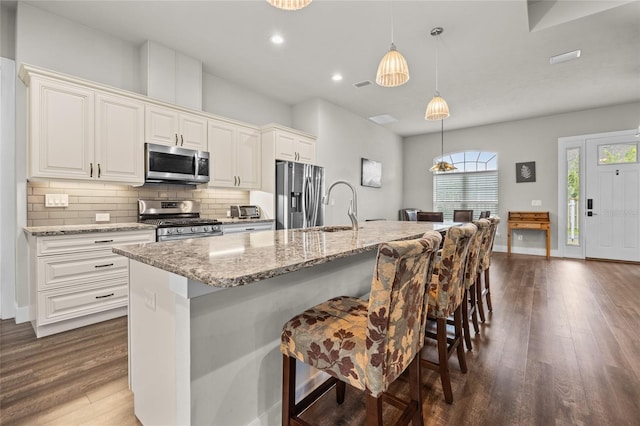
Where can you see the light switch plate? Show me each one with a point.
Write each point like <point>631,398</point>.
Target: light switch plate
<point>56,200</point>
<point>536,202</point>
<point>103,217</point>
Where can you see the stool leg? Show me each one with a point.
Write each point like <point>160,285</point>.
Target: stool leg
<point>415,389</point>
<point>472,301</point>
<point>488,289</point>
<point>457,321</point>
<point>374,410</point>
<point>479,298</point>
<point>443,361</point>
<point>465,320</point>
<point>340,391</point>
<point>288,389</point>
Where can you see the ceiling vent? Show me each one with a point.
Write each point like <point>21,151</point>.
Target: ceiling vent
<point>362,83</point>
<point>383,119</point>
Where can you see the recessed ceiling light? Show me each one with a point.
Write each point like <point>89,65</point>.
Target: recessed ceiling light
<point>276,39</point>
<point>564,57</point>
<point>336,77</point>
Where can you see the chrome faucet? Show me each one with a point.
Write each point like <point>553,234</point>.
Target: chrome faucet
<point>353,207</point>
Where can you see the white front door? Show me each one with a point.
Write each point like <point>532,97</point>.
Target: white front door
<point>612,201</point>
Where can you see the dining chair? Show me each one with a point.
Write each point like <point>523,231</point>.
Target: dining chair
<point>462,215</point>
<point>367,344</point>
<point>430,217</point>
<point>483,269</point>
<point>410,214</point>
<point>445,298</point>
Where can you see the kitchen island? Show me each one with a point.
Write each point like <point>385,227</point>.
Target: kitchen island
<point>205,315</point>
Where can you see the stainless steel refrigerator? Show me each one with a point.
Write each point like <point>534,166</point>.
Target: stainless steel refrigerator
<point>299,191</point>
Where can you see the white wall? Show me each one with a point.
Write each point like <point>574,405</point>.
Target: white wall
<point>343,139</point>
<point>517,141</point>
<point>7,188</point>
<point>224,98</point>
<point>7,31</point>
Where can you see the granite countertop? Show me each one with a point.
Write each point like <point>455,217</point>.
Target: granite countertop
<point>42,231</point>
<point>238,259</point>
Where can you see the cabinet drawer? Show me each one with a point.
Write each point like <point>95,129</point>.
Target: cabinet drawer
<point>72,302</point>
<point>66,270</point>
<point>93,241</point>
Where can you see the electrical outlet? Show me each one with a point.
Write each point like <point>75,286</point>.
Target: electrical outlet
<point>536,202</point>
<point>228,213</point>
<point>56,200</point>
<point>519,237</point>
<point>103,217</point>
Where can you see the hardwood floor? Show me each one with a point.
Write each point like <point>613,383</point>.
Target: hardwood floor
<point>561,347</point>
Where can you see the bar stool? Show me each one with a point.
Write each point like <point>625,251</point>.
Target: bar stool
<point>446,294</point>
<point>470,279</point>
<point>485,262</point>
<point>366,344</point>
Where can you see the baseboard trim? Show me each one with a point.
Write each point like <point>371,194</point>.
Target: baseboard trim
<point>23,314</point>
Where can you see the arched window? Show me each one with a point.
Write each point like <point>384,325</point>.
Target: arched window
<point>473,185</point>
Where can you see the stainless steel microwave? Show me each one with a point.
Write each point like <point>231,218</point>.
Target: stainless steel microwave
<point>172,164</point>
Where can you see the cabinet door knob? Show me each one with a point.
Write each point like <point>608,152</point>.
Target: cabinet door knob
<point>90,169</point>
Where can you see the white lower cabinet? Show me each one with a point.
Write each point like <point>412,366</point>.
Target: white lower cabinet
<point>76,280</point>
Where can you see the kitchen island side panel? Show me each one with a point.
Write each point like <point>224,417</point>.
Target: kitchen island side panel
<point>226,344</point>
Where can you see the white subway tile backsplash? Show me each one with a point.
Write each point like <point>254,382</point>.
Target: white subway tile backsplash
<point>120,201</point>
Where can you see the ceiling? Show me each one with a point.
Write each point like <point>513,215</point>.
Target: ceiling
<point>493,55</point>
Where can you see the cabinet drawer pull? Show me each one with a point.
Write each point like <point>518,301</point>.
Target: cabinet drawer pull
<point>106,295</point>
<point>249,229</point>
<point>103,266</point>
<point>90,169</point>
<point>99,172</point>
<point>103,241</point>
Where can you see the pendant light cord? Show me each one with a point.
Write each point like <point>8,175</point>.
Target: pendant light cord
<point>441,140</point>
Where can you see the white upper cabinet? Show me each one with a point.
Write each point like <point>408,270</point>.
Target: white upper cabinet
<point>119,133</point>
<point>292,146</point>
<point>166,126</point>
<point>235,155</point>
<point>79,133</point>
<point>62,130</point>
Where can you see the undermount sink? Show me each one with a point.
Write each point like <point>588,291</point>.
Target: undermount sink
<point>327,228</point>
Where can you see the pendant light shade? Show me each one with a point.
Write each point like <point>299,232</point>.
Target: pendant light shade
<point>442,166</point>
<point>289,4</point>
<point>437,108</point>
<point>393,69</point>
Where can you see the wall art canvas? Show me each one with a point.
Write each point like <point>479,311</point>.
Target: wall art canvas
<point>371,173</point>
<point>526,172</point>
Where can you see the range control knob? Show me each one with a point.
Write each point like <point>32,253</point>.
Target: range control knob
<point>207,229</point>
<point>179,230</point>
<point>169,231</point>
<point>194,229</point>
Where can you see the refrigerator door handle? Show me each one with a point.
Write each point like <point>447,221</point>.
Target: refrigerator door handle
<point>311,207</point>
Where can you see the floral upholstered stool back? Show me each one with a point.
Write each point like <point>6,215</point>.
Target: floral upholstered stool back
<point>366,344</point>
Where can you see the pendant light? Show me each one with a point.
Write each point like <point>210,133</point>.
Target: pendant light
<point>289,4</point>
<point>437,108</point>
<point>442,166</point>
<point>393,69</point>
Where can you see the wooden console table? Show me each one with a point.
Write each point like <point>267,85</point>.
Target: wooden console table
<point>529,220</point>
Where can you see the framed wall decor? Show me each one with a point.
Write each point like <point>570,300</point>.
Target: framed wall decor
<point>371,173</point>
<point>526,172</point>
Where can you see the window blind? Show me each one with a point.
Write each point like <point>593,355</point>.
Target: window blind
<point>477,191</point>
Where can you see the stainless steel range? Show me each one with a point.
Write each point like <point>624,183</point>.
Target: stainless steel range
<point>177,220</point>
